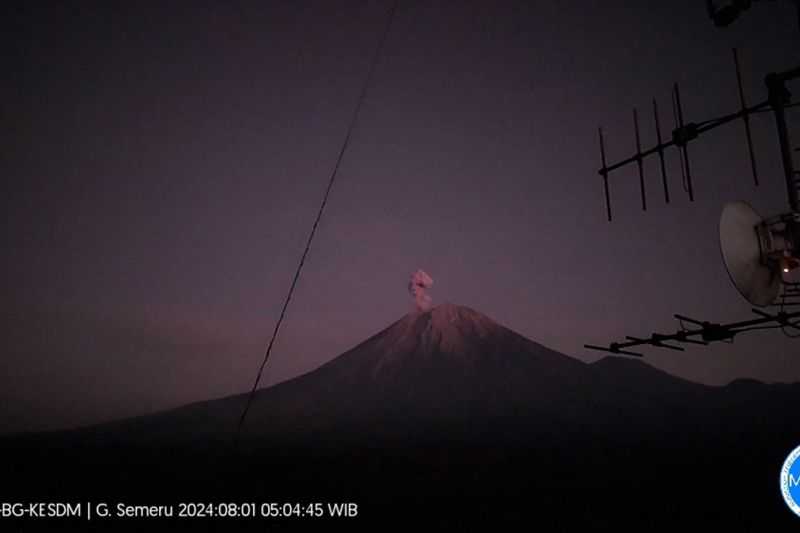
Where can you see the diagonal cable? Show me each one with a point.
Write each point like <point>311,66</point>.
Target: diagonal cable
<point>331,181</point>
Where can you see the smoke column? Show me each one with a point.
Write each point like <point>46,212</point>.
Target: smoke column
<point>420,281</point>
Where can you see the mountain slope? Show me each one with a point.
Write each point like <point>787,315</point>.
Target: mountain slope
<point>450,415</point>
<point>451,373</point>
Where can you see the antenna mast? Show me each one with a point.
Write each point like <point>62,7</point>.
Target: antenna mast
<point>757,252</point>
<point>684,133</point>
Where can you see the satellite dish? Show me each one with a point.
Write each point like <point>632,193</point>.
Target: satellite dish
<point>743,239</point>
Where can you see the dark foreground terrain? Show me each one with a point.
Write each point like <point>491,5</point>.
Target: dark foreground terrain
<point>446,420</point>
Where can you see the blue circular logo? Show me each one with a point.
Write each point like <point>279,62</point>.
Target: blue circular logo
<point>790,481</point>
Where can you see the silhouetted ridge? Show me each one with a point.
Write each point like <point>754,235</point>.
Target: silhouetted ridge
<point>448,372</point>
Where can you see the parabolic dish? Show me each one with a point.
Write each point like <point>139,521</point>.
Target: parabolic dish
<point>741,251</point>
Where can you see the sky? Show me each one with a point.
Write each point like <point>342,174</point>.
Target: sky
<point>163,167</point>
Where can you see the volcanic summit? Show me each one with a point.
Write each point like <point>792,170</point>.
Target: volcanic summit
<point>447,401</point>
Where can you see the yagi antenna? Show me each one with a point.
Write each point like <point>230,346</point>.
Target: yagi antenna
<point>758,252</point>
<point>703,333</point>
<point>682,134</point>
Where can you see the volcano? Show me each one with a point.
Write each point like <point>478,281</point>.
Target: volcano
<point>448,406</point>
<point>449,374</point>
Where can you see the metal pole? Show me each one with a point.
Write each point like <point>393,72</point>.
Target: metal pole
<point>778,97</point>
<point>604,173</point>
<point>745,118</point>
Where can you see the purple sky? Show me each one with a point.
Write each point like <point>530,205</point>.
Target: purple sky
<point>163,168</point>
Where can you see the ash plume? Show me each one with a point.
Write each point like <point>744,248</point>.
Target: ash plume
<point>420,281</point>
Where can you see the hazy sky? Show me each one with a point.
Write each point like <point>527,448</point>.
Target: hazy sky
<point>162,167</point>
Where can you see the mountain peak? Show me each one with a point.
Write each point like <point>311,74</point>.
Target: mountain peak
<point>452,311</point>
<point>448,326</point>
<point>448,313</point>
<point>450,347</point>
